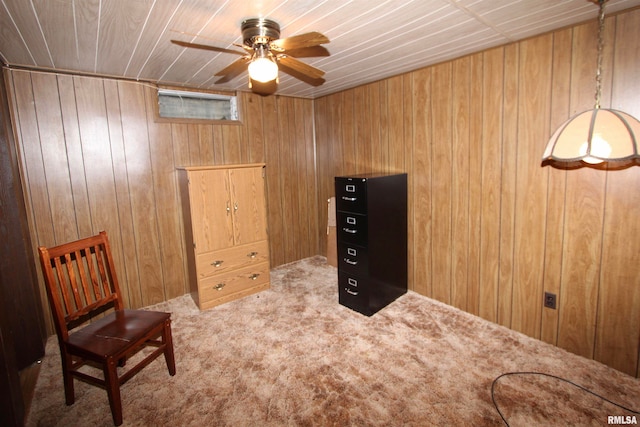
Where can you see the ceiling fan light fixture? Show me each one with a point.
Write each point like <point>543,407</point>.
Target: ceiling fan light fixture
<point>262,67</point>
<point>263,70</point>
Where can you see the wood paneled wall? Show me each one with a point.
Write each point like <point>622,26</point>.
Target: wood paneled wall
<point>490,229</point>
<point>94,158</point>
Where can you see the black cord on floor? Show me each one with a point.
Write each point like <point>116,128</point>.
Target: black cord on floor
<point>554,377</point>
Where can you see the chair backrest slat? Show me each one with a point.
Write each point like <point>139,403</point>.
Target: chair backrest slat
<point>57,267</point>
<point>102,269</point>
<point>90,294</point>
<point>80,279</point>
<point>73,282</point>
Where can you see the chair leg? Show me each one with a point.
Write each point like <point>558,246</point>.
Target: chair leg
<point>168,348</point>
<point>67,362</point>
<point>112,384</point>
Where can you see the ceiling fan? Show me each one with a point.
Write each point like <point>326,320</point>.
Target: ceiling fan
<point>264,53</point>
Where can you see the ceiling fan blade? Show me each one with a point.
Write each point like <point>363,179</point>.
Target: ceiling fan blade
<point>309,52</point>
<point>299,66</point>
<point>233,70</point>
<point>303,77</point>
<point>313,38</point>
<point>206,47</point>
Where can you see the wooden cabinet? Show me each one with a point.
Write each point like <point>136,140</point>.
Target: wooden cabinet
<point>224,212</point>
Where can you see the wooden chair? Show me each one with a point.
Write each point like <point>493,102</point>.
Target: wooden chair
<point>81,285</point>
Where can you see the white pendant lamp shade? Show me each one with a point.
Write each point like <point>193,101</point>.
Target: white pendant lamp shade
<point>598,138</point>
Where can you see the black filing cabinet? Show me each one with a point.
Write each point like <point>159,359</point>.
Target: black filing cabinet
<point>371,220</point>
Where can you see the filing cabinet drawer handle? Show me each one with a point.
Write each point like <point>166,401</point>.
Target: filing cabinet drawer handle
<point>219,286</point>
<point>350,261</point>
<point>254,276</point>
<point>252,254</point>
<point>349,199</point>
<point>349,291</point>
<point>349,230</point>
<point>217,263</point>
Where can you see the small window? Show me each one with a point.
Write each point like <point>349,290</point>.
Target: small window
<point>184,105</point>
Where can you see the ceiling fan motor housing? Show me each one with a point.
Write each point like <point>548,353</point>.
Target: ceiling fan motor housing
<point>259,28</point>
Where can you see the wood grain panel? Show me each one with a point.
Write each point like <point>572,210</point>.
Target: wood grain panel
<point>54,156</point>
<point>288,181</point>
<point>87,18</point>
<point>121,23</point>
<point>32,163</point>
<point>143,198</point>
<point>493,90</point>
<point>274,193</point>
<point>508,183</point>
<point>362,130</point>
<point>460,182</point>
<point>24,18</point>
<point>441,185</point>
<point>307,163</point>
<point>562,53</point>
<point>475,182</point>
<point>422,282</point>
<point>167,202</point>
<point>124,247</point>
<point>584,211</point>
<point>533,132</point>
<point>73,145</point>
<point>396,122</point>
<point>407,155</point>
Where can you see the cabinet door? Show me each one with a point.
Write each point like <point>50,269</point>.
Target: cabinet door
<point>249,206</point>
<point>211,209</point>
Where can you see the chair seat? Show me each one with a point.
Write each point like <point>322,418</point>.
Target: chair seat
<point>116,332</point>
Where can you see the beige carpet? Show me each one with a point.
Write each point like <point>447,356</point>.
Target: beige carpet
<point>292,356</point>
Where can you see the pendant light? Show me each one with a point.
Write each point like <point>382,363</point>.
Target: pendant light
<point>262,67</point>
<point>601,138</point>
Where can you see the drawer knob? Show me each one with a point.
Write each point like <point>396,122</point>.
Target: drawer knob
<point>254,276</point>
<point>219,286</point>
<point>349,261</point>
<point>217,263</point>
<point>252,254</point>
<point>350,230</point>
<point>349,199</point>
<point>349,291</point>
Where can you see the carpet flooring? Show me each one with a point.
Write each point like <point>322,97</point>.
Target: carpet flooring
<point>292,356</point>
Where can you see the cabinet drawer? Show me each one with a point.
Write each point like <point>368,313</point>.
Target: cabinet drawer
<point>353,292</point>
<point>352,228</point>
<point>351,194</point>
<point>353,258</point>
<point>222,285</point>
<point>221,261</point>
<point>353,282</point>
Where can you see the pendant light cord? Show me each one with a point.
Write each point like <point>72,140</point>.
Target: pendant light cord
<point>600,50</point>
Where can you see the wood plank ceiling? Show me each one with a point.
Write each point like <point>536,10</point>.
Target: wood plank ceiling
<point>370,39</point>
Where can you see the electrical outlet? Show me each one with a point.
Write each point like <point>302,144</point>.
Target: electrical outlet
<point>550,300</point>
